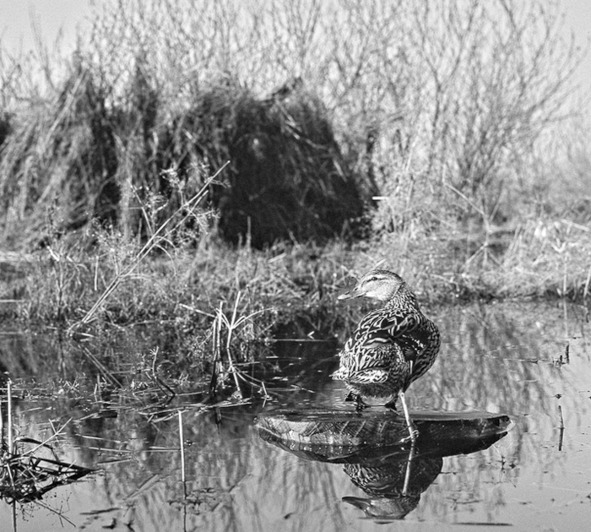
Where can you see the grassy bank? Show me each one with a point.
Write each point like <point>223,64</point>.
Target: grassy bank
<point>243,162</point>
<point>542,258</point>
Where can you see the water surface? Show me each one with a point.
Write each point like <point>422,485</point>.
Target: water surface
<point>531,361</point>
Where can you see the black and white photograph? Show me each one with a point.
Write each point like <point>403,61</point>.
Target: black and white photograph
<point>295,265</point>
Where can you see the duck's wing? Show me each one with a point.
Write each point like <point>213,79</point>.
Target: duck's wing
<point>374,362</point>
<point>393,324</point>
<point>404,330</point>
<point>374,375</point>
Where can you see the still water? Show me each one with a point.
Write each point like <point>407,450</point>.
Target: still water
<point>530,361</point>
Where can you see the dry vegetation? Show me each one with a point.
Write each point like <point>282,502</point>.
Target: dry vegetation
<point>205,176</point>
<point>422,134</point>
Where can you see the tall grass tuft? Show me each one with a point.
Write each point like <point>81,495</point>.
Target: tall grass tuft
<point>287,177</point>
<point>61,155</point>
<point>5,126</point>
<point>96,159</point>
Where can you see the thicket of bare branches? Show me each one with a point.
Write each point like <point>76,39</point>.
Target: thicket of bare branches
<point>440,103</point>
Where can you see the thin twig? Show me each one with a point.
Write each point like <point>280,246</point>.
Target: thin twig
<point>152,242</point>
<point>182,447</point>
<point>232,369</point>
<point>561,427</point>
<point>9,421</point>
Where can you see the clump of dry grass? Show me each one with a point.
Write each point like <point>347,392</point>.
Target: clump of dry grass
<point>94,159</point>
<point>5,127</point>
<point>287,178</point>
<point>61,156</point>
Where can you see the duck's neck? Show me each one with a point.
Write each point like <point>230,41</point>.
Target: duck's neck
<point>403,299</point>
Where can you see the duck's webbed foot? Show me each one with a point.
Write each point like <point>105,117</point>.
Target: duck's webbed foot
<point>413,433</point>
<point>359,404</point>
<point>392,404</point>
<point>355,397</point>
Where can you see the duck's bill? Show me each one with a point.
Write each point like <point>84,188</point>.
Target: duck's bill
<point>350,294</point>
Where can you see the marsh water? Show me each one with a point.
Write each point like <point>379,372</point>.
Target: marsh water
<point>528,360</point>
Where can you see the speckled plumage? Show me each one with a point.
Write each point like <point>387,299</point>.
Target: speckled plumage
<point>393,345</point>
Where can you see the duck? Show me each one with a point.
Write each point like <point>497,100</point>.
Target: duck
<point>392,346</point>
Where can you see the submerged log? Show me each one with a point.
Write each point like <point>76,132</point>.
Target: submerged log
<point>381,427</point>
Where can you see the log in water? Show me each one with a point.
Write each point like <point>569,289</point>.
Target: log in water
<point>379,427</point>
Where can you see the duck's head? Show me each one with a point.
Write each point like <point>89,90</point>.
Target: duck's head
<point>385,507</point>
<point>376,284</point>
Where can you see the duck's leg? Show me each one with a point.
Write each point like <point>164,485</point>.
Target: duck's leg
<point>407,474</point>
<point>412,430</point>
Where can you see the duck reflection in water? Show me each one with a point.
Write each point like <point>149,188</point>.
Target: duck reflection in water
<point>375,453</point>
<point>393,483</point>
